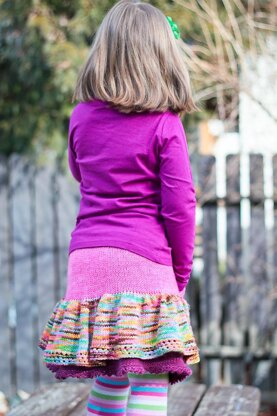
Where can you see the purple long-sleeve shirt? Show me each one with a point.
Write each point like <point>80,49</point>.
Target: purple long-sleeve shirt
<point>136,184</point>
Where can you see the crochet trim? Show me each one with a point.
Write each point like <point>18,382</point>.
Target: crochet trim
<point>115,326</point>
<point>172,363</point>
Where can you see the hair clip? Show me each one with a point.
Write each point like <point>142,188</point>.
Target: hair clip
<point>174,27</point>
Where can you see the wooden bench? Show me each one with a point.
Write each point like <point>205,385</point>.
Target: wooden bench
<point>185,399</point>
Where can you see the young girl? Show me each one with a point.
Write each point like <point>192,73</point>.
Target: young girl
<point>124,321</point>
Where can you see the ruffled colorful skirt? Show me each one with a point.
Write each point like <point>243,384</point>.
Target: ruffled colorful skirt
<point>121,313</point>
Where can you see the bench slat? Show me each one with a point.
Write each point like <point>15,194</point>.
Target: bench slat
<point>57,399</point>
<point>234,400</point>
<point>184,398</point>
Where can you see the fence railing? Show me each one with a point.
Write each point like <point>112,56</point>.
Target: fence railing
<point>233,299</point>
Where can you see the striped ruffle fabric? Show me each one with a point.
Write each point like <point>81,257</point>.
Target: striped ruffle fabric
<point>120,325</point>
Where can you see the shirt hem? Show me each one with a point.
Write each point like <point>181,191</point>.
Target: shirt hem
<point>120,244</point>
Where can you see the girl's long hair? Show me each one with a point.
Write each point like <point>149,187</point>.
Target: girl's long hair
<point>135,63</point>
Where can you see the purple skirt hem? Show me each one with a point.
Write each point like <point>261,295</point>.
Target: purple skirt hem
<point>171,362</point>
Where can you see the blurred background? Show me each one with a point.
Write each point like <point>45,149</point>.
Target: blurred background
<point>230,47</point>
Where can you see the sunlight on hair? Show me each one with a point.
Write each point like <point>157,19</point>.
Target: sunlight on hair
<point>135,63</point>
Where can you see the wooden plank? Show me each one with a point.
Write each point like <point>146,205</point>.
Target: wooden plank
<point>68,203</point>
<point>274,284</point>
<point>210,297</point>
<point>265,373</point>
<point>259,307</point>
<point>55,192</point>
<point>21,174</point>
<point>45,258</point>
<point>267,379</point>
<point>256,178</point>
<point>183,398</point>
<point>234,290</point>
<point>234,400</point>
<point>81,408</point>
<point>207,180</point>
<point>274,172</point>
<point>7,363</point>
<point>58,399</point>
<point>258,292</point>
<point>70,399</point>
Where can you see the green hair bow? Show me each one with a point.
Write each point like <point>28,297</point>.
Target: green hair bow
<point>174,27</point>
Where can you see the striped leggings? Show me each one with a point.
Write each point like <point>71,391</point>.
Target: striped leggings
<point>129,395</point>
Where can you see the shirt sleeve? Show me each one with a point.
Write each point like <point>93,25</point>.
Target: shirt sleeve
<point>178,197</point>
<point>72,156</point>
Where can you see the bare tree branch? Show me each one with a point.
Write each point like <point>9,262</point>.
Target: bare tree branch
<point>218,57</point>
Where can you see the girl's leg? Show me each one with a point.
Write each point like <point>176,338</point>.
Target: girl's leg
<point>148,395</point>
<point>108,396</point>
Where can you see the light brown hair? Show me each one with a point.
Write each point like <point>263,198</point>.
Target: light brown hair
<point>135,63</point>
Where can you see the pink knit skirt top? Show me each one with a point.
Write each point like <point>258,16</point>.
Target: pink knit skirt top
<point>121,313</point>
